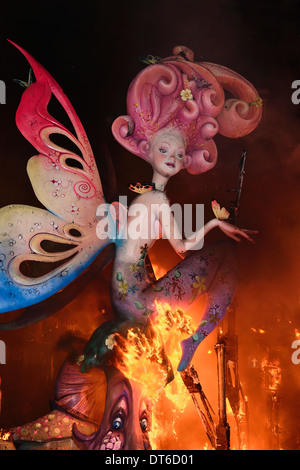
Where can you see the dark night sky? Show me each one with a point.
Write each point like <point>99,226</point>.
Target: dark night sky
<point>92,49</point>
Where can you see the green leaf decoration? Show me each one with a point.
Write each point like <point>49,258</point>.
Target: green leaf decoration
<point>147,312</point>
<point>139,305</point>
<point>203,322</point>
<point>119,276</point>
<point>177,273</point>
<point>157,289</point>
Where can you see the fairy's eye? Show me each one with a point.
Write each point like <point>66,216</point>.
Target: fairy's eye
<point>117,423</point>
<point>162,150</point>
<point>180,155</point>
<point>144,424</point>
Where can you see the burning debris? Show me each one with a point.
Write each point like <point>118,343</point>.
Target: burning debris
<point>6,442</point>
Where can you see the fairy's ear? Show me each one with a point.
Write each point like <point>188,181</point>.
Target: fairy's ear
<point>144,149</point>
<point>187,161</point>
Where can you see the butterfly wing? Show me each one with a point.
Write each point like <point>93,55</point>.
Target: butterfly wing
<point>220,214</point>
<point>42,251</point>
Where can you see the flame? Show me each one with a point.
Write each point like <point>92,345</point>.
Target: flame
<point>272,374</point>
<point>151,357</point>
<point>4,435</point>
<point>158,270</point>
<point>259,330</point>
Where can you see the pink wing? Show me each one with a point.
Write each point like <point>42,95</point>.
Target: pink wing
<point>66,183</point>
<point>43,251</point>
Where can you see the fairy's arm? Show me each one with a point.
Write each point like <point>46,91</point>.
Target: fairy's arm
<point>181,244</point>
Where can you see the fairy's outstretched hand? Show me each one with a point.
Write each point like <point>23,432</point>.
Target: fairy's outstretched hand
<point>234,232</point>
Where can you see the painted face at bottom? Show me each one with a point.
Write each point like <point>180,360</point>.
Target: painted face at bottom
<point>127,418</point>
<point>167,152</point>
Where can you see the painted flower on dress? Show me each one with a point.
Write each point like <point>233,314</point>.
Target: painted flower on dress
<point>123,287</point>
<point>133,289</point>
<point>134,268</point>
<point>198,287</point>
<point>199,284</point>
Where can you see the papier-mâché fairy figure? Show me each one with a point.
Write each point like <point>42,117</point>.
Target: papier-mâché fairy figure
<point>175,107</point>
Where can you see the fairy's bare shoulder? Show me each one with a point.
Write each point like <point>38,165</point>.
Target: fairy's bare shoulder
<point>151,197</point>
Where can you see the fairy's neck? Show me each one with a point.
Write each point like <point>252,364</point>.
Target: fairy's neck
<point>160,181</point>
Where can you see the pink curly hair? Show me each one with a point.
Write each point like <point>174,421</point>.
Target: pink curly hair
<point>155,101</point>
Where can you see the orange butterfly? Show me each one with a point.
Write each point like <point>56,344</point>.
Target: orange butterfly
<point>220,214</point>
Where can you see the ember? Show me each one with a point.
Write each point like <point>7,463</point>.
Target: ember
<point>4,435</point>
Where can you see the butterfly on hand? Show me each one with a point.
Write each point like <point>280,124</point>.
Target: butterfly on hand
<point>220,214</point>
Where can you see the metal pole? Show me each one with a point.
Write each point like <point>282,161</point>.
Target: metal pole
<point>223,428</point>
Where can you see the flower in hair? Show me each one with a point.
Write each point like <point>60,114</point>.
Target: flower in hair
<point>257,103</point>
<point>186,94</point>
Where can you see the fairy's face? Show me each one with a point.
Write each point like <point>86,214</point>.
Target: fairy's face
<point>167,153</point>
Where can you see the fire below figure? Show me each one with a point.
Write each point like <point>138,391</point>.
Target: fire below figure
<point>115,407</point>
<point>140,367</point>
